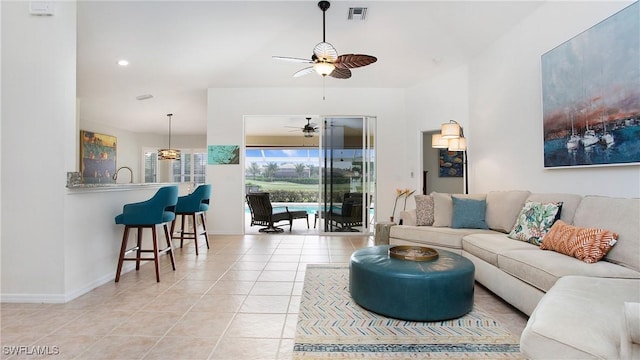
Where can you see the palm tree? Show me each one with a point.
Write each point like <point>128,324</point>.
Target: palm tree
<point>271,170</point>
<point>300,167</point>
<point>254,169</point>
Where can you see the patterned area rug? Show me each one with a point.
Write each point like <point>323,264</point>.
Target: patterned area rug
<point>332,325</point>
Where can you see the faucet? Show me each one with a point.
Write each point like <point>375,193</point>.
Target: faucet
<point>115,175</point>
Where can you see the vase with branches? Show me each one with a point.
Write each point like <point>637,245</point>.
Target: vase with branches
<point>401,193</point>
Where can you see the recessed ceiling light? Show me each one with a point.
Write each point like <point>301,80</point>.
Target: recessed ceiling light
<point>123,62</point>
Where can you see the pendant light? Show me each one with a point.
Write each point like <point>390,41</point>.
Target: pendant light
<point>169,153</point>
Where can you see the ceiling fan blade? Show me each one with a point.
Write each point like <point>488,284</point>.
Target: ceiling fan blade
<point>292,59</point>
<point>350,61</point>
<point>325,51</point>
<point>305,71</point>
<point>340,73</point>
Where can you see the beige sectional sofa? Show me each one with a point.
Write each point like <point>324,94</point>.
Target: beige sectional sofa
<point>577,310</point>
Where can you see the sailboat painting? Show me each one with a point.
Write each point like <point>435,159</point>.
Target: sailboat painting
<point>591,95</point>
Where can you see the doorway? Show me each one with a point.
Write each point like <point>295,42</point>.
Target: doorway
<point>434,162</point>
<point>313,172</point>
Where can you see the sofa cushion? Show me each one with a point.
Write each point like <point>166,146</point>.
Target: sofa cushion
<point>442,237</point>
<point>568,325</point>
<point>630,337</point>
<point>468,213</point>
<point>424,210</point>
<point>408,217</point>
<point>488,246</point>
<point>543,268</point>
<point>586,244</point>
<point>534,221</point>
<point>503,208</point>
<point>569,202</point>
<point>618,215</point>
<point>443,207</point>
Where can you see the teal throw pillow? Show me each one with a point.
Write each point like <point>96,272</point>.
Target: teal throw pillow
<point>468,213</point>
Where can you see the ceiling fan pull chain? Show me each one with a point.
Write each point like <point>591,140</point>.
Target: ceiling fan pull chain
<point>323,82</point>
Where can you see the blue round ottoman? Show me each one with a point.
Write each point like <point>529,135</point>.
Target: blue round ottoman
<point>440,289</point>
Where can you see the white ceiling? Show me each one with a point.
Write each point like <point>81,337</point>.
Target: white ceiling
<point>178,49</point>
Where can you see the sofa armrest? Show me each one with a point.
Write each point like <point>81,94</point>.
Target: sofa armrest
<point>408,217</point>
<point>630,341</point>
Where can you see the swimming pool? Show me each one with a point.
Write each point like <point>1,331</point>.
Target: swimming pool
<point>308,207</point>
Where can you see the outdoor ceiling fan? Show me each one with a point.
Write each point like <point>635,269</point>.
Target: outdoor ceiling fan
<point>308,129</point>
<point>325,60</point>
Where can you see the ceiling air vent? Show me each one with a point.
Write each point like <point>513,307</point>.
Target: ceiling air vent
<point>357,13</point>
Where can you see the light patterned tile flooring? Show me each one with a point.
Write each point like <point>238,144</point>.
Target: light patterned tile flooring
<point>237,300</point>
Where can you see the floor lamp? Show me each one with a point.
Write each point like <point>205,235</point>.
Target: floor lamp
<point>451,137</point>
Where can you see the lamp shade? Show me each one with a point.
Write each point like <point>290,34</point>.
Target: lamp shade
<point>437,142</point>
<point>459,144</point>
<point>324,68</point>
<point>450,130</point>
<point>168,154</point>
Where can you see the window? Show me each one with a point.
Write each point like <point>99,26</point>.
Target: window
<point>192,166</point>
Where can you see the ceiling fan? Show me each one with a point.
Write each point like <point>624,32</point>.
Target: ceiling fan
<point>325,60</point>
<point>308,129</point>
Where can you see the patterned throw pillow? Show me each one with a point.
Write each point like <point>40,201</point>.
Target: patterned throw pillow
<point>587,244</point>
<point>534,221</point>
<point>424,210</point>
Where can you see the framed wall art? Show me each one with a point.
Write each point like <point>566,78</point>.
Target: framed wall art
<point>223,154</point>
<point>97,157</point>
<point>450,163</point>
<point>591,95</point>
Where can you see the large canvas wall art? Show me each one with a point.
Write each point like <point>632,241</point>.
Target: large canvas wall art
<point>97,157</point>
<point>591,95</point>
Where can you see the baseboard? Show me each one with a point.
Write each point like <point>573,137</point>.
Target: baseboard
<point>61,298</point>
<point>33,298</point>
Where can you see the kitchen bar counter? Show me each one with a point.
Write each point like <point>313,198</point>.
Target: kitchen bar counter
<point>84,188</point>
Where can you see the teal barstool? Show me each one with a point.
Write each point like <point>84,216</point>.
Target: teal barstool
<point>192,206</point>
<point>159,210</point>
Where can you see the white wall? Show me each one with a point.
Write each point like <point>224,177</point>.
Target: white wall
<point>432,103</point>
<point>38,146</point>
<point>497,99</point>
<point>505,109</point>
<point>225,127</point>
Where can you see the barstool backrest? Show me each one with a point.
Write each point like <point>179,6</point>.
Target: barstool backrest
<point>197,201</point>
<point>157,210</point>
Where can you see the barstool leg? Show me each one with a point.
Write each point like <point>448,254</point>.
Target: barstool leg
<point>170,247</point>
<point>139,248</point>
<point>194,223</point>
<point>204,228</point>
<point>182,230</point>
<point>123,249</point>
<point>156,254</point>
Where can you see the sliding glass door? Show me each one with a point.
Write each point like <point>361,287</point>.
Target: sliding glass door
<point>347,181</point>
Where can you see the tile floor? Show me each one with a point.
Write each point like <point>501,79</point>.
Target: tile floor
<point>238,300</point>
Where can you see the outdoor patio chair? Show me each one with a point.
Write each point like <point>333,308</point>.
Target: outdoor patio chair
<point>348,216</point>
<point>264,214</point>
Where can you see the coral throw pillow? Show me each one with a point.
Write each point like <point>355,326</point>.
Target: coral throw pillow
<point>587,244</point>
<point>424,210</point>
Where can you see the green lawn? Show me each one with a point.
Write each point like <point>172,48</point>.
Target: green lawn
<point>285,185</point>
<point>281,185</point>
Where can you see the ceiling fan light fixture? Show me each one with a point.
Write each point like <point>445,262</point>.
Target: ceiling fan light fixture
<point>324,68</point>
